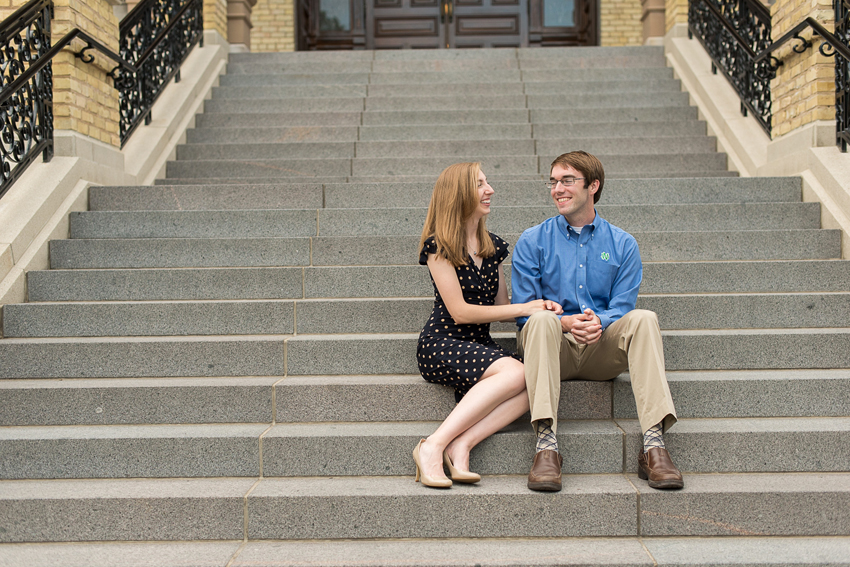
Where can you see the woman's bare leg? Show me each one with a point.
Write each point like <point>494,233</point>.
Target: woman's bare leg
<point>505,414</point>
<point>503,381</point>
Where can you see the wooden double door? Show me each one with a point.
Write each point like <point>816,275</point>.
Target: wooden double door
<point>441,24</point>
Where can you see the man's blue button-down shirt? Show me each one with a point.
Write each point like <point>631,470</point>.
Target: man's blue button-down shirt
<point>598,269</point>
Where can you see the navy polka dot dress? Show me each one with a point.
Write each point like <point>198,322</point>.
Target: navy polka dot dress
<point>457,355</point>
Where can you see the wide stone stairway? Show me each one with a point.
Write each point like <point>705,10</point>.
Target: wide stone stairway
<point>219,370</point>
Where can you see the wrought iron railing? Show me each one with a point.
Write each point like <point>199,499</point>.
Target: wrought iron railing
<point>155,39</point>
<point>26,90</point>
<point>156,36</point>
<point>733,32</point>
<point>736,35</point>
<point>842,75</point>
<point>832,46</point>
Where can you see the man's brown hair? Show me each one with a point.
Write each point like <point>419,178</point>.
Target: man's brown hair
<point>588,165</point>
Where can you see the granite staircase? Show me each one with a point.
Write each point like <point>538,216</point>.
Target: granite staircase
<point>219,370</point>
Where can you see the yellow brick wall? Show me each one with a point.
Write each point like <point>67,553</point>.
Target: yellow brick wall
<point>620,23</point>
<point>274,26</point>
<point>675,12</point>
<point>215,16</point>
<point>804,88</point>
<point>84,98</point>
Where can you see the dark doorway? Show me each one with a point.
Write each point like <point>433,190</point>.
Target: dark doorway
<point>441,24</point>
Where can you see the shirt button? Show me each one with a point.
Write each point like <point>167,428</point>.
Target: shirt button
<point>581,265</point>
<point>581,245</point>
<point>583,306</point>
<point>581,287</point>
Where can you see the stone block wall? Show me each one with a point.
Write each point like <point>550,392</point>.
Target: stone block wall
<point>804,88</point>
<point>620,22</point>
<point>274,26</point>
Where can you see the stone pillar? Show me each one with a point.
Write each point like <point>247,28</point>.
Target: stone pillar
<point>619,22</point>
<point>675,12</point>
<point>652,17</point>
<point>215,16</point>
<point>239,24</point>
<point>804,88</point>
<point>274,26</point>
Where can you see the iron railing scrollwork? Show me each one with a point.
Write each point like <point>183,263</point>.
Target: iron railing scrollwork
<point>733,32</point>
<point>842,75</point>
<point>156,37</point>
<point>833,45</point>
<point>26,91</point>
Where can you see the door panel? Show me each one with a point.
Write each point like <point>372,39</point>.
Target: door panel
<point>488,23</point>
<point>398,24</point>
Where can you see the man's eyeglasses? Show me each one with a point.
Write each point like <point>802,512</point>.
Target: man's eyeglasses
<point>566,182</point>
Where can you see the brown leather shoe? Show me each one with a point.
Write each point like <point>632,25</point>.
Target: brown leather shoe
<point>545,473</point>
<point>657,467</point>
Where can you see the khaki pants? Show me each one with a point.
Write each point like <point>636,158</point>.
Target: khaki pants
<point>632,342</point>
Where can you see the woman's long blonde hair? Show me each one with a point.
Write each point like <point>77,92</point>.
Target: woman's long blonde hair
<point>453,201</point>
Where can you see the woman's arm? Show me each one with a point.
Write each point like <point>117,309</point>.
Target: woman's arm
<point>445,278</point>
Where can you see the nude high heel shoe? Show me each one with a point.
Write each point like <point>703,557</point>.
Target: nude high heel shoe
<point>458,475</point>
<point>427,480</point>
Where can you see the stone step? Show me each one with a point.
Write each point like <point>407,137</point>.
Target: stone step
<point>238,91</point>
<point>222,197</point>
<point>594,447</point>
<point>707,394</point>
<point>141,319</point>
<point>404,250</point>
<point>533,71</point>
<point>683,350</point>
<point>569,115</point>
<point>530,192</point>
<point>322,316</point>
<point>378,354</point>
<point>292,105</point>
<point>406,281</point>
<point>609,86</point>
<point>566,552</point>
<point>297,75</point>
<point>284,134</point>
<point>280,119</point>
<point>426,179</point>
<point>111,401</point>
<point>127,401</point>
<point>263,223</point>
<point>603,101</point>
<point>472,101</point>
<point>300,509</point>
<point>143,357</point>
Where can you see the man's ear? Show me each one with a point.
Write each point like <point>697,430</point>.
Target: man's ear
<point>593,187</point>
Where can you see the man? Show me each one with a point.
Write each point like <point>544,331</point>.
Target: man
<point>593,269</point>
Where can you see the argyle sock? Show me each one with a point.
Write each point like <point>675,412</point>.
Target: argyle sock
<point>545,436</point>
<point>653,437</point>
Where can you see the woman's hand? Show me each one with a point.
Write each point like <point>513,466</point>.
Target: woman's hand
<point>541,305</point>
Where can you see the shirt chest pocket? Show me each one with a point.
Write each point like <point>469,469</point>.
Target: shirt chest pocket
<point>601,275</point>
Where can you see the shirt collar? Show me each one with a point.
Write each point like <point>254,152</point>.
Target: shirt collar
<point>565,226</point>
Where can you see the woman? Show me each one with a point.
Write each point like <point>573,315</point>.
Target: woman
<point>455,347</point>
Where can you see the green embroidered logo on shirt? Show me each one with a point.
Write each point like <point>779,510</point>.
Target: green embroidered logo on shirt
<point>605,256</point>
